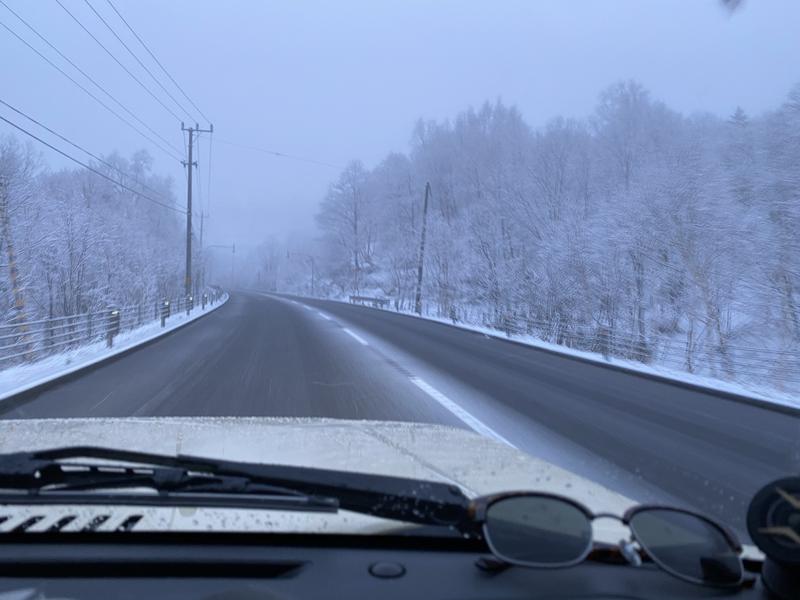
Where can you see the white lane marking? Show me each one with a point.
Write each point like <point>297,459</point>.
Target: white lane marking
<point>356,337</point>
<point>324,316</point>
<point>103,400</point>
<point>307,307</point>
<point>473,422</point>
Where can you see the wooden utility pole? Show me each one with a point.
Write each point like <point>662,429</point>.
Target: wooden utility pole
<point>418,300</point>
<point>190,164</point>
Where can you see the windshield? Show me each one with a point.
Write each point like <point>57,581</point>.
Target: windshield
<point>521,245</point>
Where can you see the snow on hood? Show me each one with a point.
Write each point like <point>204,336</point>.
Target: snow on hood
<point>476,464</point>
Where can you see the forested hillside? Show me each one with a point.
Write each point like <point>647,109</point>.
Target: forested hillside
<point>634,228</point>
<point>81,243</point>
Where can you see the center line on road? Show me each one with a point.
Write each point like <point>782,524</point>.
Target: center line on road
<point>103,400</point>
<point>472,421</point>
<point>324,316</point>
<point>307,307</point>
<point>356,337</point>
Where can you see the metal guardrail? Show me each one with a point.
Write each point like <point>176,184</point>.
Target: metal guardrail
<point>771,368</point>
<point>30,341</point>
<point>369,301</point>
<point>779,369</point>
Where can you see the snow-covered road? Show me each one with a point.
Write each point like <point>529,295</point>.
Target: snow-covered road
<point>260,355</point>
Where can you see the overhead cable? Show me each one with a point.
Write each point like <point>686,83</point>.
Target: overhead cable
<point>90,168</point>
<point>92,95</point>
<point>119,62</point>
<point>158,62</point>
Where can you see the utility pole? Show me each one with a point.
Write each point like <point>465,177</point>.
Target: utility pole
<point>190,164</point>
<point>418,300</point>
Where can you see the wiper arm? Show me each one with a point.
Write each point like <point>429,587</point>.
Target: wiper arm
<point>196,481</point>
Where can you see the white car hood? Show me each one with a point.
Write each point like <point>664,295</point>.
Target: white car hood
<point>476,464</point>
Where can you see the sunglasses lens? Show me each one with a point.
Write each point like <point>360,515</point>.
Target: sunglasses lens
<point>537,530</point>
<point>688,546</point>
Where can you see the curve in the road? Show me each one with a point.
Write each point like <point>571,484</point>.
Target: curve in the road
<point>708,451</point>
<point>267,356</point>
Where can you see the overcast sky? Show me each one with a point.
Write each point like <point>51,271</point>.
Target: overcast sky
<point>333,81</point>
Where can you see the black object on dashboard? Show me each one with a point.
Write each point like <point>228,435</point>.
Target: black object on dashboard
<point>387,570</point>
<point>773,521</point>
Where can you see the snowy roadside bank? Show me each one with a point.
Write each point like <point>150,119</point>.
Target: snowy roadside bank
<point>21,378</point>
<point>751,392</point>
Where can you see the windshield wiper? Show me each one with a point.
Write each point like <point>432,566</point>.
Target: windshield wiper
<point>54,482</point>
<point>55,476</point>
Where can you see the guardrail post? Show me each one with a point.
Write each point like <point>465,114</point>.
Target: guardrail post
<point>164,312</point>
<point>204,299</point>
<point>113,327</point>
<point>603,338</point>
<point>507,325</point>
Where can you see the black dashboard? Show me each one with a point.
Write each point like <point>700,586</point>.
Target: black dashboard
<point>268,566</point>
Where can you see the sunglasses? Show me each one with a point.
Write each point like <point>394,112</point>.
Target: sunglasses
<point>551,531</point>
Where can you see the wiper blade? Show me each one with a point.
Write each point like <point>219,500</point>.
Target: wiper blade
<point>35,478</point>
<point>41,477</point>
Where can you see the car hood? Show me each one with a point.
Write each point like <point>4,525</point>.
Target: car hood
<point>476,464</point>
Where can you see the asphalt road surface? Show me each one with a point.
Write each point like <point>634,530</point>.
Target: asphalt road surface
<point>260,355</point>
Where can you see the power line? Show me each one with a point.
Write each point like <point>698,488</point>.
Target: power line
<point>74,145</point>
<point>149,72</point>
<point>281,154</point>
<point>90,94</point>
<point>126,69</point>
<point>158,62</point>
<point>82,72</point>
<point>92,169</point>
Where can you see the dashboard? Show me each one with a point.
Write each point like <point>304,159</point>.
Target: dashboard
<point>251,566</point>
